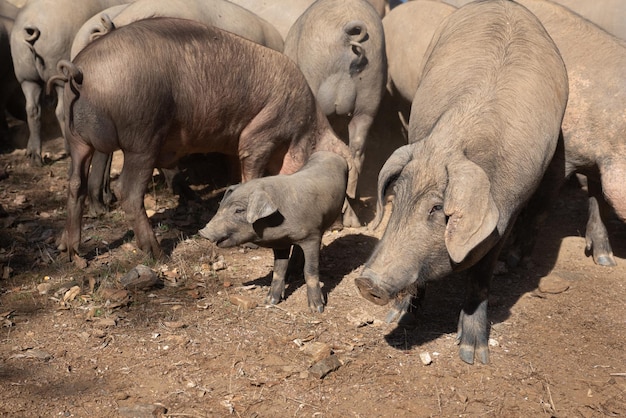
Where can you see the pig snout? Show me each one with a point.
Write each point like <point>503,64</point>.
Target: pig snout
<point>210,233</point>
<point>371,288</point>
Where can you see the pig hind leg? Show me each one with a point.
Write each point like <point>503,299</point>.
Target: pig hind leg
<point>32,93</point>
<point>358,128</point>
<point>77,190</point>
<point>131,187</point>
<point>596,235</point>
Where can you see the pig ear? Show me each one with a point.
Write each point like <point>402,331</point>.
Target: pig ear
<point>388,173</point>
<point>473,214</point>
<point>260,205</point>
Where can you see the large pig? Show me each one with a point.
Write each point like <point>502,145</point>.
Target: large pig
<point>282,14</point>
<point>484,125</point>
<point>42,35</point>
<point>594,125</point>
<point>117,98</point>
<point>219,13</point>
<point>340,47</point>
<point>282,211</point>
<point>610,15</point>
<point>409,27</point>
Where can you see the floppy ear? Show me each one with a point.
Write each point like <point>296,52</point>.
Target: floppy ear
<point>387,175</point>
<point>473,214</point>
<point>260,205</point>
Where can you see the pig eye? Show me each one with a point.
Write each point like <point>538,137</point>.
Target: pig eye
<point>239,211</point>
<point>434,209</point>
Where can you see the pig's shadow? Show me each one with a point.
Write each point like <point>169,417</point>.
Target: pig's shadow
<point>337,259</point>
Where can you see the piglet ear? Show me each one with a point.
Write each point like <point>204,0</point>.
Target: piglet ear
<point>260,205</point>
<point>473,214</point>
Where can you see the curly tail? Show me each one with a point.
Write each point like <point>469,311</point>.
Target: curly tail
<point>356,32</point>
<point>68,73</point>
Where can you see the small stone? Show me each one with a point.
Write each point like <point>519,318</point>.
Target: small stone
<point>317,350</point>
<point>553,284</point>
<point>243,301</point>
<point>325,366</point>
<point>139,278</point>
<point>359,317</point>
<point>44,288</point>
<point>425,357</point>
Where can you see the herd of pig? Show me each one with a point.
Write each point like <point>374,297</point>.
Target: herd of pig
<point>501,102</point>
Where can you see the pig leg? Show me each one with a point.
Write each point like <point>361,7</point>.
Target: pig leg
<point>60,114</point>
<point>132,185</point>
<point>358,128</point>
<point>32,93</point>
<point>99,185</point>
<point>277,288</point>
<point>311,250</point>
<point>596,235</point>
<point>473,329</point>
<point>77,190</point>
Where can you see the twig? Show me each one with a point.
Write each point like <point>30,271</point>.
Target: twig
<point>618,374</point>
<point>550,397</point>
<point>302,402</point>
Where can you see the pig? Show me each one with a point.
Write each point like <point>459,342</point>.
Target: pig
<point>10,93</point>
<point>484,126</point>
<point>409,27</point>
<point>594,126</point>
<point>610,15</point>
<point>340,47</point>
<point>116,98</point>
<point>42,35</point>
<point>281,211</point>
<point>220,13</point>
<point>282,14</point>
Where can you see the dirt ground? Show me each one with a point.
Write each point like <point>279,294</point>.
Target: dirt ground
<point>75,343</point>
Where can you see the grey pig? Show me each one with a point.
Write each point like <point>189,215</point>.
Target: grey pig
<point>484,126</point>
<point>281,211</point>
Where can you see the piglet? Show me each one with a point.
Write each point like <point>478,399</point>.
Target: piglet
<point>281,211</point>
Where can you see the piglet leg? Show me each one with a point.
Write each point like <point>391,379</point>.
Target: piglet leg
<point>315,298</point>
<point>277,288</point>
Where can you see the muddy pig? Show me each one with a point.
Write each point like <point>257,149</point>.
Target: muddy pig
<point>484,126</point>
<point>155,90</point>
<point>282,211</point>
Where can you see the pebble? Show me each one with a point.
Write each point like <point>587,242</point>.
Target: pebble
<point>425,357</point>
<point>140,277</point>
<point>317,350</point>
<point>553,284</point>
<point>325,366</point>
<point>243,301</point>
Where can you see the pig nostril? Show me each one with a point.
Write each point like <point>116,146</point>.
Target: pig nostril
<point>371,292</point>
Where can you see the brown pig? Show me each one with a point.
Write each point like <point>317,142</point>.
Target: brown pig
<point>162,88</point>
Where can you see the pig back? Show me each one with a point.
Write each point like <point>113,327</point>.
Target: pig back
<point>162,71</point>
<point>495,87</point>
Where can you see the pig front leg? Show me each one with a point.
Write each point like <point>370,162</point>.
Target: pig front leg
<point>473,328</point>
<point>277,288</point>
<point>311,250</point>
<point>99,185</point>
<point>596,235</point>
<point>132,185</point>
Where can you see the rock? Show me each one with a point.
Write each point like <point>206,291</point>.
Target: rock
<point>142,411</point>
<point>553,284</point>
<point>325,366</point>
<point>317,350</point>
<point>359,317</point>
<point>44,288</point>
<point>243,301</point>
<point>140,278</point>
<point>425,357</point>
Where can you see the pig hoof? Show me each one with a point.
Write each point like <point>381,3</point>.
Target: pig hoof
<point>317,308</point>
<point>605,260</point>
<point>271,300</point>
<point>468,352</point>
